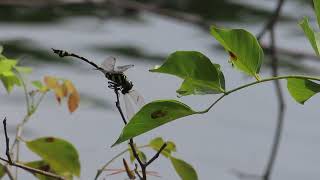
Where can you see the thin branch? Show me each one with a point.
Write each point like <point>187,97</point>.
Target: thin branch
<point>255,83</point>
<point>33,170</point>
<point>156,155</point>
<point>274,18</point>
<point>8,172</point>
<point>7,141</point>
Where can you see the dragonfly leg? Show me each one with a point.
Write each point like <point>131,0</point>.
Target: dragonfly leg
<point>113,85</point>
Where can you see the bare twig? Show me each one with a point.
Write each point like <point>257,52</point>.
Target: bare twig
<point>7,141</point>
<point>157,154</point>
<point>33,170</point>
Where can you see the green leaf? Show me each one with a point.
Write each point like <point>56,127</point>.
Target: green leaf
<point>9,79</point>
<point>184,170</point>
<point>141,155</point>
<point>243,48</point>
<point>22,69</point>
<point>302,89</point>
<point>7,65</point>
<point>44,166</point>
<point>1,49</point>
<point>60,154</point>
<point>2,171</point>
<point>199,74</point>
<point>314,37</point>
<point>317,10</point>
<point>153,115</point>
<point>156,144</point>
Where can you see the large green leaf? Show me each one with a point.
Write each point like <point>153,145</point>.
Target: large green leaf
<point>200,75</point>
<point>184,170</point>
<point>243,48</point>
<point>153,115</point>
<point>58,153</point>
<point>156,144</point>
<point>302,89</point>
<point>317,9</point>
<point>2,171</point>
<point>314,37</point>
<point>44,166</point>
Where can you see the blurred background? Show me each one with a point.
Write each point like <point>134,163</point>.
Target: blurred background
<point>235,136</point>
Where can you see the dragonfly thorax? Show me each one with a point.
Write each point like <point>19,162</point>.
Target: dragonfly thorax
<point>121,81</point>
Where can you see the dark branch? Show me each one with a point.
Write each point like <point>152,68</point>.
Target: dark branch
<point>7,141</point>
<point>62,53</point>
<point>157,154</point>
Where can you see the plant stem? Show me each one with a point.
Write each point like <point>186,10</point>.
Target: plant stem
<point>114,158</point>
<point>254,83</point>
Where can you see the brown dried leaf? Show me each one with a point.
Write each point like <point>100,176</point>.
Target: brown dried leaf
<point>73,101</point>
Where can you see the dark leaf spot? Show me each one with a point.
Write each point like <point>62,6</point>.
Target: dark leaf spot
<point>49,139</point>
<point>158,114</point>
<point>232,56</point>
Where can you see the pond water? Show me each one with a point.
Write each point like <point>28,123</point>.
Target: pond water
<point>234,136</point>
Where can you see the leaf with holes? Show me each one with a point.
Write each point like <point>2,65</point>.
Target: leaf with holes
<point>200,75</point>
<point>58,153</point>
<point>243,48</point>
<point>302,89</point>
<point>153,115</point>
<point>183,169</point>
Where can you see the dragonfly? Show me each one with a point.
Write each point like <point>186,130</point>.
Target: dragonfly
<point>117,80</point>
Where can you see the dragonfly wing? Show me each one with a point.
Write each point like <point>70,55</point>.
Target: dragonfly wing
<point>108,64</point>
<point>123,68</point>
<point>137,98</point>
<point>128,106</point>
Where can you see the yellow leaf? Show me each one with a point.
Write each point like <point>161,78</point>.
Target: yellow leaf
<point>73,101</point>
<point>51,82</point>
<point>64,90</point>
<point>59,93</point>
<point>70,87</point>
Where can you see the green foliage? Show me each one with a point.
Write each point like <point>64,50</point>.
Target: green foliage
<point>184,170</point>
<point>302,89</point>
<point>2,171</point>
<point>243,48</point>
<point>44,166</point>
<point>61,155</point>
<point>314,37</point>
<point>8,72</point>
<point>317,10</point>
<point>153,115</point>
<point>200,75</point>
<point>156,144</point>
<point>141,155</point>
